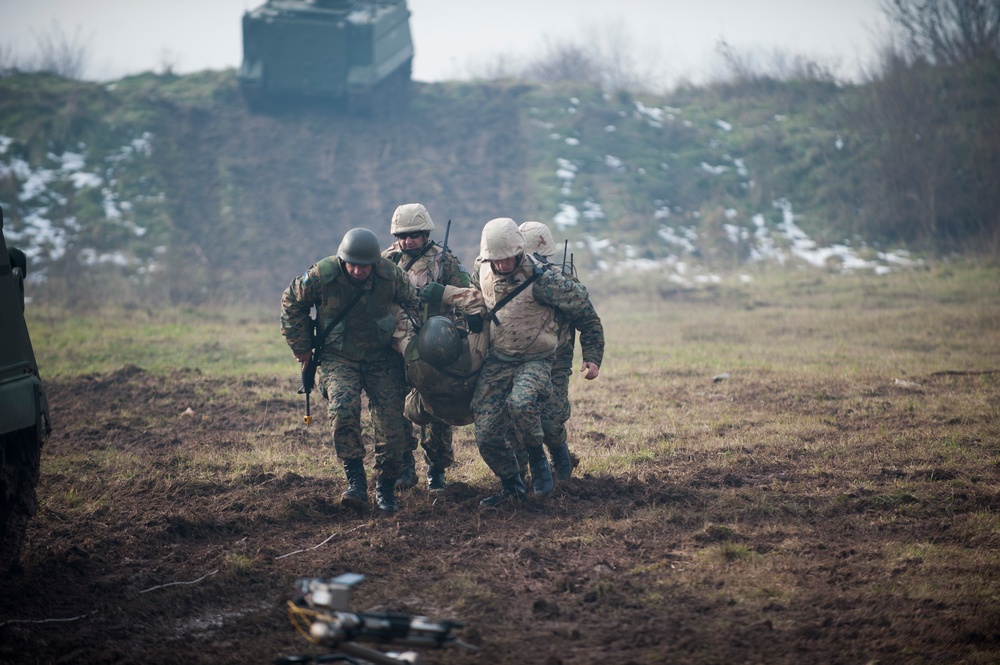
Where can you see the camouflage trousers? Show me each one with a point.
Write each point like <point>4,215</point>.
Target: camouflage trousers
<point>435,437</point>
<point>343,382</point>
<point>436,440</point>
<point>556,410</point>
<point>508,405</point>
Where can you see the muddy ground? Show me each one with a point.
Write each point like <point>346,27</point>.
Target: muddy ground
<point>611,569</point>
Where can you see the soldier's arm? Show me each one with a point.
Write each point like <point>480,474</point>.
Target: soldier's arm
<point>406,295</point>
<point>573,301</point>
<point>454,273</point>
<point>296,301</point>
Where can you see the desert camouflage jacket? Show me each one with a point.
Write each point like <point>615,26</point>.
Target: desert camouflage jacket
<point>570,300</point>
<point>434,265</point>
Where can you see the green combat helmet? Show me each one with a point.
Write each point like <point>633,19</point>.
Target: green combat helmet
<point>438,342</point>
<point>360,247</point>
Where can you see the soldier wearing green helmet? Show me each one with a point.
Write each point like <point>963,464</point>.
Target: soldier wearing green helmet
<point>361,293</point>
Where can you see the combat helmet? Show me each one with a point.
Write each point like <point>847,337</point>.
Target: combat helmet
<point>501,239</point>
<point>538,239</point>
<point>438,342</point>
<point>411,217</point>
<point>360,247</point>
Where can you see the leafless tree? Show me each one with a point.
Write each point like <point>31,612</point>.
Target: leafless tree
<point>948,31</point>
<point>59,53</point>
<point>564,61</point>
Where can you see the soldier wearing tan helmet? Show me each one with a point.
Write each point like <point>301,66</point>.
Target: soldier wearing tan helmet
<point>540,244</point>
<point>522,300</point>
<point>425,263</point>
<point>356,295</point>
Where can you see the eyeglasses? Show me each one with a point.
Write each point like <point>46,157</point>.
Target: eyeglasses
<point>413,234</point>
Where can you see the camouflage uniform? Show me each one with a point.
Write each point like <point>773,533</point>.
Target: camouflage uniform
<point>358,354</point>
<point>433,264</point>
<point>557,409</point>
<point>515,383</point>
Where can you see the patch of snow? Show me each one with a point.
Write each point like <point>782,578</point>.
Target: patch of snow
<point>568,215</point>
<point>723,125</point>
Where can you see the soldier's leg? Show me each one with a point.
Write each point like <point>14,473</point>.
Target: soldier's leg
<point>381,380</point>
<point>530,389</point>
<point>408,472</point>
<point>342,383</point>
<point>489,406</point>
<point>439,452</point>
<point>555,413</point>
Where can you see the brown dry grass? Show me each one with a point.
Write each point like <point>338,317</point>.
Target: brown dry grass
<point>835,499</point>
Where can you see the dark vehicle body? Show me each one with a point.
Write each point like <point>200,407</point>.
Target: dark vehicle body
<point>24,410</point>
<point>341,50</point>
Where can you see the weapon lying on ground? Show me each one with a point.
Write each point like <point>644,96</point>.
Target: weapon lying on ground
<point>319,613</point>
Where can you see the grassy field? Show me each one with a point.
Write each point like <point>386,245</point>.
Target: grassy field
<point>794,467</point>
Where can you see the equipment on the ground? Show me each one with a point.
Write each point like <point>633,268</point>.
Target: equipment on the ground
<point>319,613</point>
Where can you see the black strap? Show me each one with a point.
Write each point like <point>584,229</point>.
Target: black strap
<point>413,259</point>
<point>321,340</point>
<point>535,274</point>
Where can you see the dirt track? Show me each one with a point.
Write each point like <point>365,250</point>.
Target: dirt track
<point>531,585</point>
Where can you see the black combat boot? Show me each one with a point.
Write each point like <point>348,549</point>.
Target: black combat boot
<point>541,472</point>
<point>356,495</point>
<point>435,479</point>
<point>562,465</point>
<point>513,490</point>
<point>385,496</point>
<point>408,474</point>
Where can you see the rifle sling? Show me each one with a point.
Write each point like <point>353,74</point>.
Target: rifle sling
<point>341,315</point>
<point>536,273</point>
<point>423,250</point>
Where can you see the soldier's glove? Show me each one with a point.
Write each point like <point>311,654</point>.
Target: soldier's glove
<point>475,322</point>
<point>432,294</point>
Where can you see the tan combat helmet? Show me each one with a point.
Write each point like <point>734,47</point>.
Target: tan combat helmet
<point>501,240</point>
<point>411,217</point>
<point>538,239</point>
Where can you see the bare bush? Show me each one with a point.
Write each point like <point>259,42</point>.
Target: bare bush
<point>55,52</point>
<point>604,57</point>
<point>948,31</point>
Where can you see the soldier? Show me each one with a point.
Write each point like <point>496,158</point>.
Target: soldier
<point>522,299</point>
<point>556,411</point>
<point>365,292</point>
<point>425,262</point>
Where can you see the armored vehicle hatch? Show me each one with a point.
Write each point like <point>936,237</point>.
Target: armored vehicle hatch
<point>339,50</point>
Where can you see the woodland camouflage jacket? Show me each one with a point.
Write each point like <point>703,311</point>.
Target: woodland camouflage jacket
<point>368,329</point>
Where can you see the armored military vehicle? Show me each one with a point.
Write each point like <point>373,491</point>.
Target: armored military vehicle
<point>345,52</point>
<point>24,409</point>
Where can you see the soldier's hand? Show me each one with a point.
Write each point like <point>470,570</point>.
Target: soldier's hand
<point>591,370</point>
<point>432,293</point>
<point>304,358</point>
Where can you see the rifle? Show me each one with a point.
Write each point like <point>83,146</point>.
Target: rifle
<point>440,272</point>
<point>309,371</point>
<point>318,611</point>
<point>565,249</point>
<point>444,250</point>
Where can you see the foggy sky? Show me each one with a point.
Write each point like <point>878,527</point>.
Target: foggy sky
<point>676,38</point>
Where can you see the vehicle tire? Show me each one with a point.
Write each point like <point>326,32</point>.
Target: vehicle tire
<point>20,461</point>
